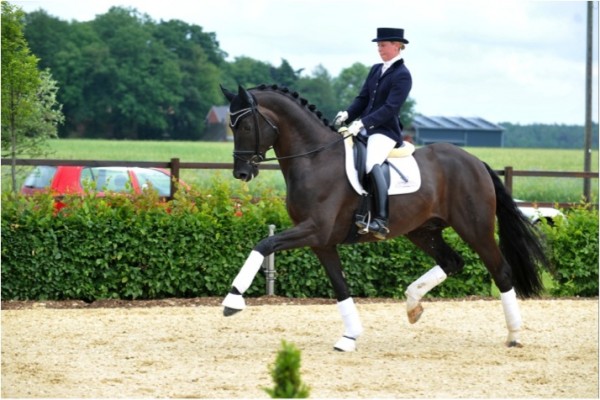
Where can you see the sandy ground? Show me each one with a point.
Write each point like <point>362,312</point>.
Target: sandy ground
<point>192,351</point>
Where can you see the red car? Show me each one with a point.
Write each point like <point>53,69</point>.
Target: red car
<point>73,179</point>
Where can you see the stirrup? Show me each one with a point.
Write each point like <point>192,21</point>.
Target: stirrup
<point>363,222</point>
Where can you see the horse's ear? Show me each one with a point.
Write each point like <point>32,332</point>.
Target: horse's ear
<point>228,95</point>
<point>246,96</point>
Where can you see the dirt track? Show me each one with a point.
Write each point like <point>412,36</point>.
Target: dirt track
<point>191,350</point>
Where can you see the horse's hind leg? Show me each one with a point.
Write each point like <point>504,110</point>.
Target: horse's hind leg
<point>430,240</point>
<point>485,246</point>
<point>480,237</point>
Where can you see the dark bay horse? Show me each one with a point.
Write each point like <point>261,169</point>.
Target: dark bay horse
<point>457,190</point>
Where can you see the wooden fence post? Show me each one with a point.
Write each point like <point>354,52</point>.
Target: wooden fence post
<point>508,179</point>
<point>174,176</point>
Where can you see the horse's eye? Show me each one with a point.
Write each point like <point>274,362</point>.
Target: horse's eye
<point>246,128</point>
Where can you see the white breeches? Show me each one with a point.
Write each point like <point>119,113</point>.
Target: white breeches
<point>378,148</point>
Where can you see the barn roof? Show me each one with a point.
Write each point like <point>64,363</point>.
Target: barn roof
<point>462,123</point>
<point>220,112</point>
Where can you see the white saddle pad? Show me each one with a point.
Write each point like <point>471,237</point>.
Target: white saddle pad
<point>407,165</point>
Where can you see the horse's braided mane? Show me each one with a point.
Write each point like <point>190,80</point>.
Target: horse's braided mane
<point>300,100</point>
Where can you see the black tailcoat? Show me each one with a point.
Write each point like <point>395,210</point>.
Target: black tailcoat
<point>380,99</point>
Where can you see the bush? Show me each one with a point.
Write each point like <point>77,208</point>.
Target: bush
<point>140,248</point>
<point>286,375</point>
<point>573,250</point>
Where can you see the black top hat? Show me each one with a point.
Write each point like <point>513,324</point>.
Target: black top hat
<point>390,35</point>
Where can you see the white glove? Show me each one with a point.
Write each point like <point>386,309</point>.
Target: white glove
<point>355,127</point>
<point>340,118</point>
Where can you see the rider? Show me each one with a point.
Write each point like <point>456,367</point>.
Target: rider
<point>378,107</point>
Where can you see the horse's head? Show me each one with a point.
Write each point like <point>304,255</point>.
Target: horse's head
<point>253,133</point>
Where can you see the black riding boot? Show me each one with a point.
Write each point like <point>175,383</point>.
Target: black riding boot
<point>378,225</point>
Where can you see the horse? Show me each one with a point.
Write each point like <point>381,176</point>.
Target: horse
<point>457,190</point>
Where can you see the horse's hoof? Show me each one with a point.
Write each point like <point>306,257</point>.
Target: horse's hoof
<point>232,304</point>
<point>514,343</point>
<point>345,344</point>
<point>415,314</point>
<point>228,312</point>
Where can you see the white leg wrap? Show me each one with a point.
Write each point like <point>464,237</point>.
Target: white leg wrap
<point>352,326</point>
<point>512,314</point>
<point>419,288</point>
<point>244,278</point>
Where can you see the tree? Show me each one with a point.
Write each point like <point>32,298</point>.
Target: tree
<point>199,60</point>
<point>30,112</point>
<point>284,75</point>
<point>348,84</point>
<point>247,72</point>
<point>318,89</point>
<point>123,75</point>
<point>140,82</point>
<point>77,57</point>
<point>407,112</point>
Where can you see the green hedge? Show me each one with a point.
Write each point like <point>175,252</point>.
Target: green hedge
<point>194,245</point>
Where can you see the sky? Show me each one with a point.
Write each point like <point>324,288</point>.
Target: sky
<point>512,61</point>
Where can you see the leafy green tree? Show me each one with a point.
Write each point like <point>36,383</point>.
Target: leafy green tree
<point>124,75</point>
<point>141,80</point>
<point>348,84</point>
<point>284,75</point>
<point>547,135</point>
<point>247,72</point>
<point>78,59</point>
<point>408,112</point>
<point>318,89</point>
<point>200,61</point>
<point>30,113</point>
<point>46,36</point>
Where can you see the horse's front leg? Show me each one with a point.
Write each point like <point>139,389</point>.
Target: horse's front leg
<point>330,259</point>
<point>298,236</point>
<point>234,301</point>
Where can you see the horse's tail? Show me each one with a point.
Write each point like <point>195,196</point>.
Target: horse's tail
<point>519,242</point>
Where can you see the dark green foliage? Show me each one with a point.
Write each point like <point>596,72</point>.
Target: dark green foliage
<point>573,248</point>
<point>140,248</point>
<point>286,375</point>
<point>125,76</point>
<point>559,136</point>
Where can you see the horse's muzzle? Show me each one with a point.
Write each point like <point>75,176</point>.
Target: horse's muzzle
<point>244,170</point>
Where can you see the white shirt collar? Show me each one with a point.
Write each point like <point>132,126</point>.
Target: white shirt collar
<point>389,63</point>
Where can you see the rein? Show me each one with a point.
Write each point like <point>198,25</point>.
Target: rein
<point>317,150</point>
<point>256,156</point>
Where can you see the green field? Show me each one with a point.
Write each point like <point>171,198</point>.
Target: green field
<point>532,189</point>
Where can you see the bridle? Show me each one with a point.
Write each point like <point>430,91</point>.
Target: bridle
<point>255,157</point>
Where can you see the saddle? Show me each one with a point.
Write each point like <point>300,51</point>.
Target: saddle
<point>400,170</point>
<point>359,146</point>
